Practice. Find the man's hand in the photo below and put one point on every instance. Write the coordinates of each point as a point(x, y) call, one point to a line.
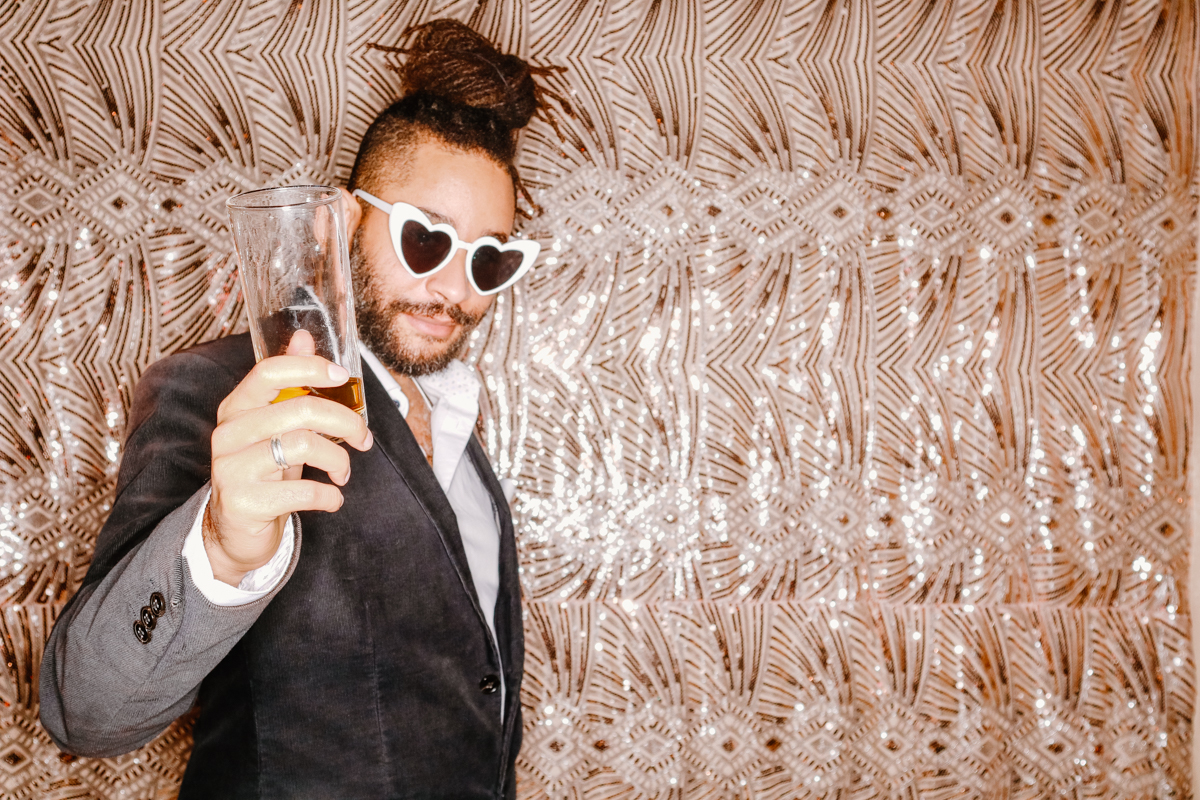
point(251, 496)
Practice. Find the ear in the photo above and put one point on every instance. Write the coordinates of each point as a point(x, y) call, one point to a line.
point(353, 214)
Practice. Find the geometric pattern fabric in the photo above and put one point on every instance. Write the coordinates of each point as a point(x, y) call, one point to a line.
point(847, 406)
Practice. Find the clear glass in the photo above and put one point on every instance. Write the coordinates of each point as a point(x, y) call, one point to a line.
point(294, 264)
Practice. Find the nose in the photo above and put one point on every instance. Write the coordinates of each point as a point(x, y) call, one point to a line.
point(450, 283)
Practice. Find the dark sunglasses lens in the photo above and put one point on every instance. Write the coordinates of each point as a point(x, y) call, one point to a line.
point(423, 249)
point(492, 268)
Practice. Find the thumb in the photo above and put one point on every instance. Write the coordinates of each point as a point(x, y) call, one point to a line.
point(302, 344)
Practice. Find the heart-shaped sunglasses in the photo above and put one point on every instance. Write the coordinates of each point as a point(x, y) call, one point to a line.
point(424, 247)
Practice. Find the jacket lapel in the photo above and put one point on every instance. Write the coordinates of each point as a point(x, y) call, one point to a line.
point(394, 437)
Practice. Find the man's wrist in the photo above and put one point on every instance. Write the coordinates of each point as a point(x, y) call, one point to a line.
point(223, 567)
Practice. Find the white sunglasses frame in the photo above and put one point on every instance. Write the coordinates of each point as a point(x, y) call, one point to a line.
point(400, 213)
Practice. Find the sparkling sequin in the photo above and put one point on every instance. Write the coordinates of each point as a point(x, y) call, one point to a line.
point(846, 408)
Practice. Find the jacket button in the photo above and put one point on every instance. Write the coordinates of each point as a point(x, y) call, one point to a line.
point(141, 632)
point(157, 604)
point(148, 618)
point(489, 684)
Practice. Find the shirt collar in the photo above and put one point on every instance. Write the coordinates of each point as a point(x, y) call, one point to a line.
point(389, 383)
point(453, 396)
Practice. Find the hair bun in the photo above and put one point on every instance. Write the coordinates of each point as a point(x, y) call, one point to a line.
point(449, 60)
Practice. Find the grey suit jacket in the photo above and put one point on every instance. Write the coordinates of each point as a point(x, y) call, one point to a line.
point(103, 693)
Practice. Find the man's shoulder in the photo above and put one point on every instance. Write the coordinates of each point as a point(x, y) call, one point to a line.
point(233, 355)
point(197, 377)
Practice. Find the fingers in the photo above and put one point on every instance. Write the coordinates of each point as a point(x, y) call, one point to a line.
point(251, 494)
point(247, 486)
point(271, 375)
point(257, 506)
point(256, 463)
point(302, 344)
point(298, 367)
point(301, 413)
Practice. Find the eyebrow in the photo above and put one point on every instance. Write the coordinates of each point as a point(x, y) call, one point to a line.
point(442, 219)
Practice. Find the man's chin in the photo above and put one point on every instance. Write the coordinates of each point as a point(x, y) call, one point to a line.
point(412, 353)
point(428, 356)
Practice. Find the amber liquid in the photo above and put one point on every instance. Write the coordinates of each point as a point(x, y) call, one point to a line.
point(349, 394)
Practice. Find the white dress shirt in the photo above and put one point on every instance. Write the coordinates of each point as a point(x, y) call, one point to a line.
point(453, 397)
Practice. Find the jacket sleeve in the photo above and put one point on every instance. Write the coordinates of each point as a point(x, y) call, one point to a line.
point(103, 690)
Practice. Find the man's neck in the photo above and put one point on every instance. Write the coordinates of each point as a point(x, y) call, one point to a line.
point(418, 417)
point(410, 388)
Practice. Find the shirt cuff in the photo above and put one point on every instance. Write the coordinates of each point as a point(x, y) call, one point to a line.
point(255, 584)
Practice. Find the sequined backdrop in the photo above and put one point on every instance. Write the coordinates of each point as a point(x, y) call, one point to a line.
point(848, 408)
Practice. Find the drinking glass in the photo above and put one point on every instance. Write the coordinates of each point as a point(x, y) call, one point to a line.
point(294, 265)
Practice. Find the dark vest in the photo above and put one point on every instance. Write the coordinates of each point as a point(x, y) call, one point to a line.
point(372, 673)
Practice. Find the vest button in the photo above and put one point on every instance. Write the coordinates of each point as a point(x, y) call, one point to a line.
point(489, 685)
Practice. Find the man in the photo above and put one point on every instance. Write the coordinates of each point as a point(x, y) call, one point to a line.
point(383, 656)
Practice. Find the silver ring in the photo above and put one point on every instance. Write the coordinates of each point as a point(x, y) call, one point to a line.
point(277, 452)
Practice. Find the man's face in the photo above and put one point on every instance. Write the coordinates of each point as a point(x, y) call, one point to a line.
point(416, 326)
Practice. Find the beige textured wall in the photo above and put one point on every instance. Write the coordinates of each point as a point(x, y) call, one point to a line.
point(1193, 478)
point(848, 410)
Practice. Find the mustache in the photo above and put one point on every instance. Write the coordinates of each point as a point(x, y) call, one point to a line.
point(455, 313)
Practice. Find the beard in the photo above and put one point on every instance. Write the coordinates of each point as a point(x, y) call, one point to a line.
point(376, 317)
